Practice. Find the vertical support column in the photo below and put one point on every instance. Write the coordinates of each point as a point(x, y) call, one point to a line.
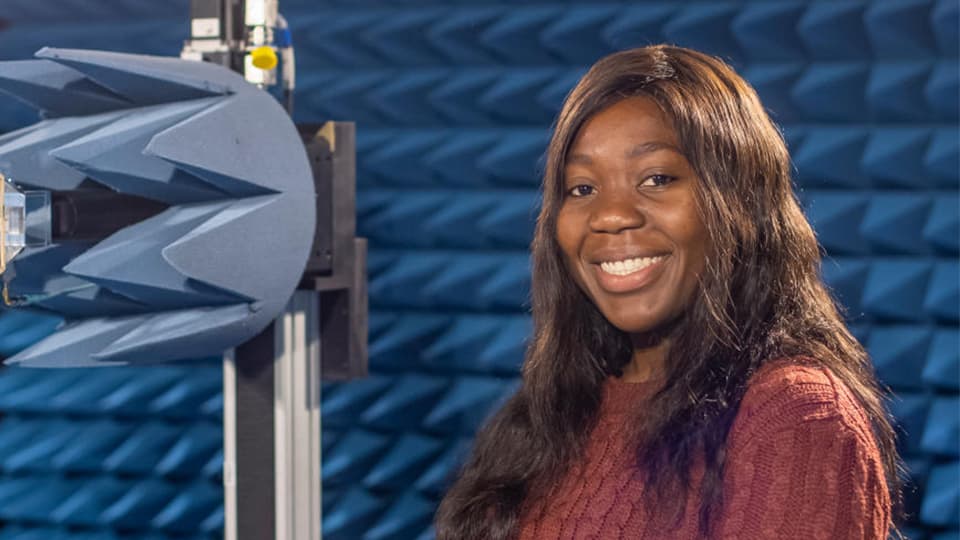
point(297, 419)
point(271, 429)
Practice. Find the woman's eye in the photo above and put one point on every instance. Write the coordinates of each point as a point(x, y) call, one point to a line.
point(657, 180)
point(581, 190)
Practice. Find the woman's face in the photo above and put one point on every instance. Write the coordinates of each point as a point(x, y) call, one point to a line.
point(628, 223)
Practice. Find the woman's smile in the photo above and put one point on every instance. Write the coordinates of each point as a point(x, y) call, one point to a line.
point(626, 275)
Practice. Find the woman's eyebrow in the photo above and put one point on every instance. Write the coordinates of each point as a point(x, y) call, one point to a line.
point(643, 149)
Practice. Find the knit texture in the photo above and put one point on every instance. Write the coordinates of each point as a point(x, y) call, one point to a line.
point(801, 463)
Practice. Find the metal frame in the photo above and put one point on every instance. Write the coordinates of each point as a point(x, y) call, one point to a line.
point(271, 408)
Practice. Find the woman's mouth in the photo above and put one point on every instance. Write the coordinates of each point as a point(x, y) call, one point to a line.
point(628, 274)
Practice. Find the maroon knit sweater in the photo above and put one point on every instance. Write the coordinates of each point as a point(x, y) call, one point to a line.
point(801, 464)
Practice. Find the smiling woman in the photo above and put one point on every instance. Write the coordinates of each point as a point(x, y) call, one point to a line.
point(689, 374)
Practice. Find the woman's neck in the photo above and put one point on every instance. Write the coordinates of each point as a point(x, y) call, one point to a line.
point(648, 362)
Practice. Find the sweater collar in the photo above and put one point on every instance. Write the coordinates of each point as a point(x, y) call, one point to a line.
point(620, 396)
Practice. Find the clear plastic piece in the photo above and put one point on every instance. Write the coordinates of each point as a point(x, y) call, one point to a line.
point(26, 220)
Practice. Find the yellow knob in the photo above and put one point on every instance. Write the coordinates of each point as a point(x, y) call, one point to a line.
point(264, 57)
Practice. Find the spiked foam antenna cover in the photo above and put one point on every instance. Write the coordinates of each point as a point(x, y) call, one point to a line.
point(218, 264)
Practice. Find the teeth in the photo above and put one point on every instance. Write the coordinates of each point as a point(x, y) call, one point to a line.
point(629, 266)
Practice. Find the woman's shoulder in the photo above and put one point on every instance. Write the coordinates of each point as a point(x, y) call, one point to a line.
point(797, 392)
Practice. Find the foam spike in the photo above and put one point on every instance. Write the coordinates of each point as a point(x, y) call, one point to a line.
point(84, 398)
point(25, 157)
point(113, 156)
point(410, 398)
point(33, 394)
point(147, 80)
point(406, 517)
point(333, 37)
point(459, 34)
point(942, 367)
point(81, 507)
point(639, 25)
point(467, 404)
point(37, 454)
point(910, 409)
point(134, 396)
point(830, 157)
point(454, 159)
point(706, 27)
point(187, 457)
point(896, 91)
point(184, 399)
point(37, 504)
point(508, 287)
point(941, 89)
point(835, 217)
point(552, 96)
point(942, 300)
point(459, 283)
point(457, 346)
point(768, 31)
point(942, 433)
point(260, 252)
point(76, 343)
point(895, 223)
point(900, 29)
point(404, 100)
point(943, 20)
point(846, 278)
point(897, 352)
point(503, 355)
point(511, 221)
point(515, 37)
point(832, 30)
point(331, 97)
point(138, 505)
point(400, 158)
point(514, 160)
point(353, 456)
point(437, 479)
point(402, 37)
point(515, 99)
point(774, 83)
point(55, 89)
point(941, 499)
point(577, 36)
point(895, 289)
point(942, 158)
point(455, 223)
point(352, 515)
point(188, 508)
point(942, 229)
point(86, 454)
point(340, 408)
point(138, 454)
point(403, 463)
point(242, 165)
point(132, 262)
point(456, 98)
point(406, 338)
point(894, 155)
point(843, 82)
point(20, 329)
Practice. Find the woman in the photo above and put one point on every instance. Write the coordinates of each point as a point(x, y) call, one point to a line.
point(689, 374)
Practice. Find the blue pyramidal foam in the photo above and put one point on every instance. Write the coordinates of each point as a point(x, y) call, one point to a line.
point(211, 270)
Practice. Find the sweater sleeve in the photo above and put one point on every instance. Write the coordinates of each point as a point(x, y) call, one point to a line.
point(801, 463)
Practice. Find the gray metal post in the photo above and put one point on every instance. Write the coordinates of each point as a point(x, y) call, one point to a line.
point(271, 429)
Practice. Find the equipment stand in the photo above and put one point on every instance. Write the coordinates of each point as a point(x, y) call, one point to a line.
point(271, 414)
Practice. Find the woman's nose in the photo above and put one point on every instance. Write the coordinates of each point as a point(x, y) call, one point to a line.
point(615, 212)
